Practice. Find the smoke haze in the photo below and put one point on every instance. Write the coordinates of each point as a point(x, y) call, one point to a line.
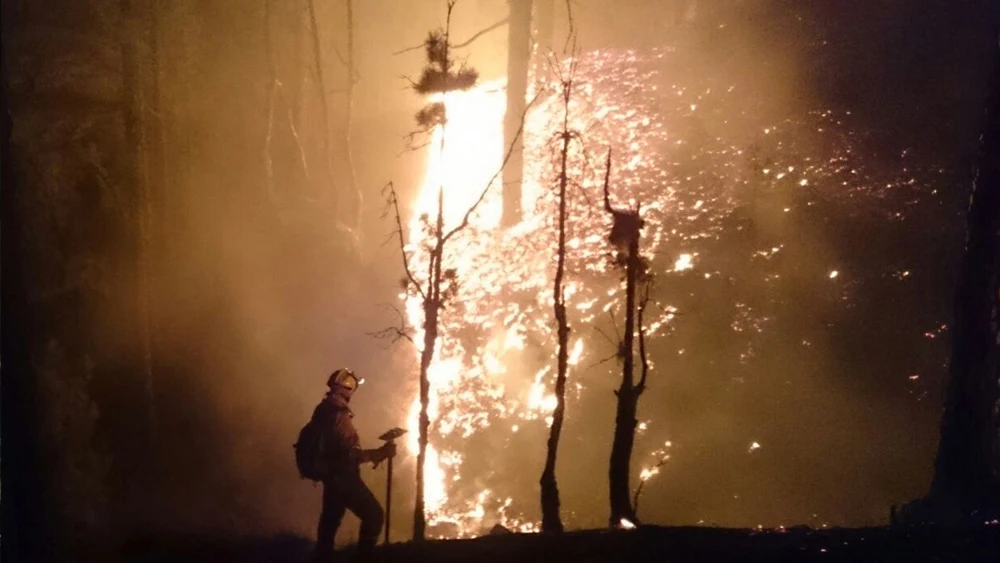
point(266, 277)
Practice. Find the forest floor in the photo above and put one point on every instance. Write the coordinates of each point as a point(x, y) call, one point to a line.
point(645, 544)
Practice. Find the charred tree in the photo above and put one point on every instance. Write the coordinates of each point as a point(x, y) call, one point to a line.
point(551, 520)
point(966, 480)
point(518, 62)
point(624, 239)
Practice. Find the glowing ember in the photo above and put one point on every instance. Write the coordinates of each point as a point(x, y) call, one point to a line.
point(684, 262)
point(493, 372)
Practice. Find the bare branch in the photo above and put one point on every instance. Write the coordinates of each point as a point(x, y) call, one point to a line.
point(389, 191)
point(506, 158)
point(606, 337)
point(571, 36)
point(413, 84)
point(500, 23)
point(395, 333)
point(603, 361)
point(638, 490)
point(408, 49)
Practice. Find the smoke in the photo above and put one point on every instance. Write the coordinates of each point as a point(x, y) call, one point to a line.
point(263, 305)
point(806, 357)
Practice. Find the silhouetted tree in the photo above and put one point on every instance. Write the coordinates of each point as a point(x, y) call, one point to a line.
point(551, 521)
point(626, 229)
point(967, 469)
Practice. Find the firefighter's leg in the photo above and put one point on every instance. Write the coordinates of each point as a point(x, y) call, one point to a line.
point(329, 520)
point(360, 500)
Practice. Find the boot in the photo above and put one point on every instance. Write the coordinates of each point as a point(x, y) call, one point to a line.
point(366, 551)
point(325, 555)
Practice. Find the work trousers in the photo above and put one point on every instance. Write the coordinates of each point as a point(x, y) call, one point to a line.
point(348, 492)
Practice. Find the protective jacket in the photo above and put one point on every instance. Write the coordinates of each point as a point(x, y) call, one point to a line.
point(340, 436)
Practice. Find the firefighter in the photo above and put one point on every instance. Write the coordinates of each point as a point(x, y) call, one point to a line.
point(343, 488)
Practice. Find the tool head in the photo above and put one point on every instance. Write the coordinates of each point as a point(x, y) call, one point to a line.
point(392, 434)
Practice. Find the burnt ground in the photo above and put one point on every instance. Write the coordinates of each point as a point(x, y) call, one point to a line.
point(648, 543)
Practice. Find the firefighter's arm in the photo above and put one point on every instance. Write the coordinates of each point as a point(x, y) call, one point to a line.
point(348, 437)
point(376, 455)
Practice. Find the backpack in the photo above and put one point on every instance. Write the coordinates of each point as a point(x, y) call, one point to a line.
point(311, 455)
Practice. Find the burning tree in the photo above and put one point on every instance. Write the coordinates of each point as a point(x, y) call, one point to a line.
point(624, 238)
point(441, 75)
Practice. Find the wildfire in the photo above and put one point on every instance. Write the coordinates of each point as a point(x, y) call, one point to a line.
point(488, 376)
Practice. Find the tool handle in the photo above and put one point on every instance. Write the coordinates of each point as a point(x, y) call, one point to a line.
point(388, 501)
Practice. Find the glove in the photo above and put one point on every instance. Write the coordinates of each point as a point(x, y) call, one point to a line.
point(387, 450)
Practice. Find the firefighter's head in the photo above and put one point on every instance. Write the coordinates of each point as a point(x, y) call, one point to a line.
point(343, 382)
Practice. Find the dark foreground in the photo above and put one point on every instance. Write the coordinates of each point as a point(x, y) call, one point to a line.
point(671, 545)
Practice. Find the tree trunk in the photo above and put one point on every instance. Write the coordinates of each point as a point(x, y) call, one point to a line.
point(628, 396)
point(518, 61)
point(426, 357)
point(551, 521)
point(967, 469)
point(432, 308)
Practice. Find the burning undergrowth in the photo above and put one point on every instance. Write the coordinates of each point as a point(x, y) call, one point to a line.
point(720, 192)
